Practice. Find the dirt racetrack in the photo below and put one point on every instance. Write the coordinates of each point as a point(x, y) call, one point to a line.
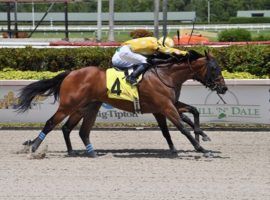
point(137, 165)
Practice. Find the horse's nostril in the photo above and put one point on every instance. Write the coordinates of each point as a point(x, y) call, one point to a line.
point(224, 89)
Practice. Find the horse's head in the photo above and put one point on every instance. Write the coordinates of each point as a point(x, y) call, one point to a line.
point(211, 75)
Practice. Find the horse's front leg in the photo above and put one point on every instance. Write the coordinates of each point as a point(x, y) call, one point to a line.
point(162, 123)
point(181, 107)
point(171, 112)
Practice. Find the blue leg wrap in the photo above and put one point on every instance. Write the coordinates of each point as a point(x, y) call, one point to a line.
point(89, 148)
point(42, 136)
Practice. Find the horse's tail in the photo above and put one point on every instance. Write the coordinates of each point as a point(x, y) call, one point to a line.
point(46, 87)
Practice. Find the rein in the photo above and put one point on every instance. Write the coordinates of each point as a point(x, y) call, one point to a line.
point(195, 77)
point(155, 69)
point(164, 83)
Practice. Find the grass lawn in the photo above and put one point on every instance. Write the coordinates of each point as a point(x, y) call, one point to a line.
point(121, 36)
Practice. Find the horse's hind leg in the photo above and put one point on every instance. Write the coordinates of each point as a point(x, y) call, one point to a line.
point(72, 121)
point(89, 119)
point(50, 124)
point(162, 123)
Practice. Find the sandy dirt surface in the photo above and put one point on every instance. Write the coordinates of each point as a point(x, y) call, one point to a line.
point(137, 165)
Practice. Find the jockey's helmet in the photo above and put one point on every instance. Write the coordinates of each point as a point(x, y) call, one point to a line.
point(168, 41)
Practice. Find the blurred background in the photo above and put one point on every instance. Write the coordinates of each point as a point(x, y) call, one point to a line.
point(116, 20)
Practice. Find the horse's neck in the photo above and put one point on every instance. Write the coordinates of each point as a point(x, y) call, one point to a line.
point(180, 73)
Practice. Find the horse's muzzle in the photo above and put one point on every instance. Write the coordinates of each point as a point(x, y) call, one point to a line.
point(221, 89)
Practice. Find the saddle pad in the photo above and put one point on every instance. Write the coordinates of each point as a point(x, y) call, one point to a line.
point(118, 88)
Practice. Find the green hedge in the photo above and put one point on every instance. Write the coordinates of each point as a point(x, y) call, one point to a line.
point(234, 35)
point(261, 37)
point(249, 20)
point(10, 74)
point(54, 59)
point(254, 59)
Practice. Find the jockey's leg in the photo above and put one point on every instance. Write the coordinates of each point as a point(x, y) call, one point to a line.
point(128, 56)
point(132, 78)
point(124, 57)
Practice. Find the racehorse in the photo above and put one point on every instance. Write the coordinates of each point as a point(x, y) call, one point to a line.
point(88, 122)
point(85, 90)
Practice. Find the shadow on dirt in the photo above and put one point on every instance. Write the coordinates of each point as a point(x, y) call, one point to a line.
point(149, 153)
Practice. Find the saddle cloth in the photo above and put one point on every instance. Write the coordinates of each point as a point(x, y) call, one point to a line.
point(117, 86)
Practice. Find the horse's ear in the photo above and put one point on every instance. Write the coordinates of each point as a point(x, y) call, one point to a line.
point(206, 53)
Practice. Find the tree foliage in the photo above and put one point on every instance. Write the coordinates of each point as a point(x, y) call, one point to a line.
point(221, 10)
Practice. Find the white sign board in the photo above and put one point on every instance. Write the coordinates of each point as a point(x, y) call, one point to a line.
point(247, 101)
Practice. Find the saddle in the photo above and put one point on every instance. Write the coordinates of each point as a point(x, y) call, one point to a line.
point(118, 88)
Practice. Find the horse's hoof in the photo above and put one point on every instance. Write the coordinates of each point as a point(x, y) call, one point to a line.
point(91, 154)
point(206, 138)
point(200, 149)
point(33, 149)
point(208, 154)
point(27, 143)
point(72, 153)
point(173, 151)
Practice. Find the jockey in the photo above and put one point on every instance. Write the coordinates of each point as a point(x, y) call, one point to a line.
point(134, 52)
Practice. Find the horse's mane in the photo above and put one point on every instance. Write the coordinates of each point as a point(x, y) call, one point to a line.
point(194, 55)
point(191, 56)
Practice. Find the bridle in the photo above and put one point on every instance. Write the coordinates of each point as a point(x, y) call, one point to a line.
point(210, 78)
point(208, 81)
point(164, 83)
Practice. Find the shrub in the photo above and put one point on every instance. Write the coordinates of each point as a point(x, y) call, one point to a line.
point(54, 59)
point(9, 74)
point(239, 20)
point(254, 59)
point(140, 33)
point(261, 38)
point(234, 35)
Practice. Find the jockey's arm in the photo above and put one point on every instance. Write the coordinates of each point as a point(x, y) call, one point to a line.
point(172, 51)
point(157, 61)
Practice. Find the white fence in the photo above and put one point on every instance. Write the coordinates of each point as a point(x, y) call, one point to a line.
point(247, 101)
point(81, 28)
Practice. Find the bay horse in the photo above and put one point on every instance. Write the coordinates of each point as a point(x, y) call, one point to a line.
point(85, 90)
point(89, 114)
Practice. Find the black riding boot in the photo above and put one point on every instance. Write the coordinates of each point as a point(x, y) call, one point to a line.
point(132, 78)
